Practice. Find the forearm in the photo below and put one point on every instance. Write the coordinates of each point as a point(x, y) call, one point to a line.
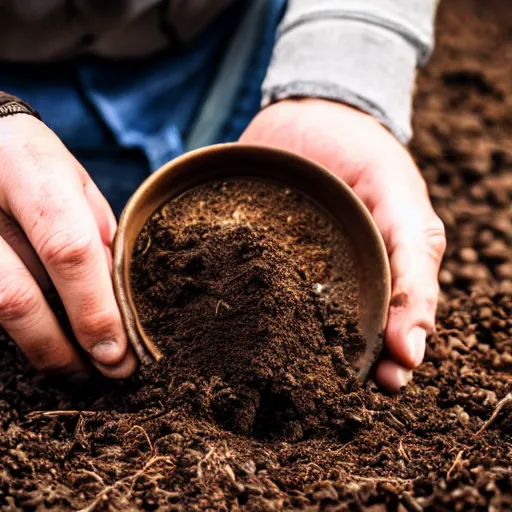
point(361, 52)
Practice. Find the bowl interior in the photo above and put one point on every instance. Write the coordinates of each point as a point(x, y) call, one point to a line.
point(230, 161)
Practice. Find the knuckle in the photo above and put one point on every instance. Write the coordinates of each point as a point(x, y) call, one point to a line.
point(430, 297)
point(66, 251)
point(416, 294)
point(426, 304)
point(436, 238)
point(17, 298)
point(96, 326)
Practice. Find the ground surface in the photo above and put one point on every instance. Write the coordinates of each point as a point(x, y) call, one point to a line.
point(431, 448)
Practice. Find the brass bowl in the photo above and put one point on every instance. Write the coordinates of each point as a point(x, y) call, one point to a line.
point(229, 161)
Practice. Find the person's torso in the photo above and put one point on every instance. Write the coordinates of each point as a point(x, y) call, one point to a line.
point(34, 30)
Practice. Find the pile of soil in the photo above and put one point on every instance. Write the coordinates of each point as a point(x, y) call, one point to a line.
point(250, 293)
point(444, 443)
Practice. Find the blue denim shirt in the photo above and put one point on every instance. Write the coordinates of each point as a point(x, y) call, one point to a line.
point(124, 119)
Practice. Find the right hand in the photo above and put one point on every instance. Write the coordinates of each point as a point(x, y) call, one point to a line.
point(56, 225)
point(366, 156)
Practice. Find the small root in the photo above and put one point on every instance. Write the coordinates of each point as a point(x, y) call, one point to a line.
point(200, 463)
point(146, 249)
point(138, 427)
point(502, 403)
point(376, 480)
point(395, 419)
point(92, 474)
point(340, 450)
point(130, 479)
point(456, 464)
point(222, 303)
point(402, 452)
point(35, 415)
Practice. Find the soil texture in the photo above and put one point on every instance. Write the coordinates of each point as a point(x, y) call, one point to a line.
point(443, 444)
point(250, 293)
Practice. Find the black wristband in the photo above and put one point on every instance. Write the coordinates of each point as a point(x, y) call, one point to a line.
point(11, 105)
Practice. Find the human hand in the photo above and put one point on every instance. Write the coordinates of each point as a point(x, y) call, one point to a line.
point(360, 151)
point(55, 224)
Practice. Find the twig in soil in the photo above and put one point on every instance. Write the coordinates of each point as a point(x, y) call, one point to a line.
point(93, 475)
point(35, 415)
point(138, 427)
point(200, 463)
point(502, 403)
point(146, 249)
point(80, 434)
point(456, 464)
point(158, 414)
point(395, 419)
point(380, 479)
point(340, 450)
point(127, 479)
point(402, 452)
point(222, 303)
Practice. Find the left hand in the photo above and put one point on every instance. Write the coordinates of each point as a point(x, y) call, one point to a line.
point(364, 154)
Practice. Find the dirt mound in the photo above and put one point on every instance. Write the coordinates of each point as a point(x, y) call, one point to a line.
point(241, 285)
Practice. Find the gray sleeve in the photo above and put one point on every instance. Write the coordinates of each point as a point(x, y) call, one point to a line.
point(361, 52)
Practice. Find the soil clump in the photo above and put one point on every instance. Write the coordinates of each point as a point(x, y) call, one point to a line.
point(250, 292)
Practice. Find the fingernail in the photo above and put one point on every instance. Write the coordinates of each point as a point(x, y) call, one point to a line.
point(106, 352)
point(403, 377)
point(416, 345)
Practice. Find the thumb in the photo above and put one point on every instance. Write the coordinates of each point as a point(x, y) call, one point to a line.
point(415, 262)
point(415, 239)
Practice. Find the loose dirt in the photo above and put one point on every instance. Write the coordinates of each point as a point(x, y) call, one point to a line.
point(250, 292)
point(445, 443)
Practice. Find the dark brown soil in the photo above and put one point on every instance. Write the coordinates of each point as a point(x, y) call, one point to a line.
point(124, 447)
point(250, 293)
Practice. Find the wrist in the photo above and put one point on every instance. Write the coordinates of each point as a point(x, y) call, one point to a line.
point(331, 113)
point(11, 105)
point(366, 65)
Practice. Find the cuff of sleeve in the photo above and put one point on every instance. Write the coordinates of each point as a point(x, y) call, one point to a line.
point(367, 66)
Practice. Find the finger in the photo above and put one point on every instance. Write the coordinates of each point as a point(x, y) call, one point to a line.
point(416, 249)
point(65, 235)
point(103, 214)
point(415, 239)
point(28, 319)
point(105, 218)
point(391, 376)
point(14, 236)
